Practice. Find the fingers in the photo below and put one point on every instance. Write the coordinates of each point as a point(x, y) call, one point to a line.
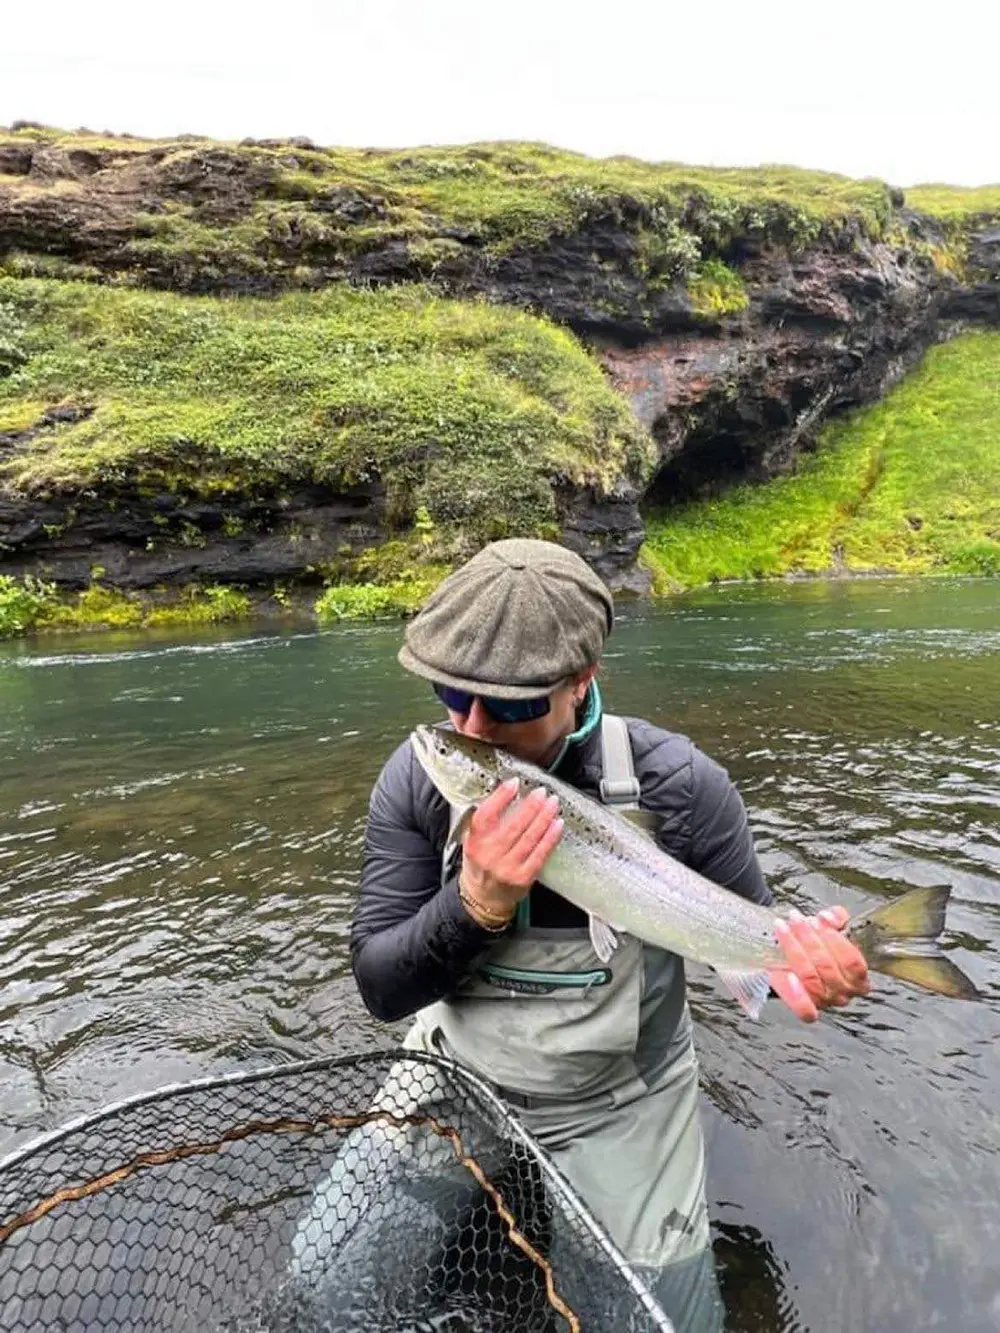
point(518, 839)
point(492, 809)
point(837, 917)
point(840, 964)
point(516, 820)
point(791, 990)
point(820, 974)
point(829, 969)
point(512, 842)
point(536, 860)
point(849, 961)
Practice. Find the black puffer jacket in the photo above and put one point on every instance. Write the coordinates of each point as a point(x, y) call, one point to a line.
point(412, 940)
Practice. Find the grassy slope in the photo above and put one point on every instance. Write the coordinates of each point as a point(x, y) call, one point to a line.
point(911, 485)
point(956, 205)
point(465, 410)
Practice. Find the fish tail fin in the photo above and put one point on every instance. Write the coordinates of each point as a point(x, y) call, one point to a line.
point(935, 973)
point(900, 938)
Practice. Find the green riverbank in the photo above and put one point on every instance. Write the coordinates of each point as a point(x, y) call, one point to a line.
point(908, 486)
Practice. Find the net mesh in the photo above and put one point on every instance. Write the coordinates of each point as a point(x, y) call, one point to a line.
point(389, 1191)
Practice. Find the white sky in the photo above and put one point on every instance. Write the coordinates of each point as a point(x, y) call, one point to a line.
point(906, 91)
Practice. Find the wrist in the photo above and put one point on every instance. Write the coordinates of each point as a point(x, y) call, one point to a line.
point(490, 915)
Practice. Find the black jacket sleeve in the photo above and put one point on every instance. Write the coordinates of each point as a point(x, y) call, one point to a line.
point(412, 941)
point(721, 846)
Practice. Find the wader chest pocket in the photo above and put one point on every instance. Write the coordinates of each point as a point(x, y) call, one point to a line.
point(532, 981)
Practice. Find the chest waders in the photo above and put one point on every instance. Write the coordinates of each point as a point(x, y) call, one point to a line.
point(598, 1060)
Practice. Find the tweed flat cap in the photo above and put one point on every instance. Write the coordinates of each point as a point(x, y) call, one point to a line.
point(514, 622)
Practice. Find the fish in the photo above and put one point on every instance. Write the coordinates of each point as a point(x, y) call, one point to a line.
point(608, 865)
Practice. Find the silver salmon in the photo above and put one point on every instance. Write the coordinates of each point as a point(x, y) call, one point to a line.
point(608, 865)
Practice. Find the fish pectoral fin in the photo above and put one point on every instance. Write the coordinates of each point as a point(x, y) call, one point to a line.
point(460, 827)
point(643, 820)
point(603, 938)
point(750, 988)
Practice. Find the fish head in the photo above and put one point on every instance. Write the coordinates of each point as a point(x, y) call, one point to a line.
point(464, 771)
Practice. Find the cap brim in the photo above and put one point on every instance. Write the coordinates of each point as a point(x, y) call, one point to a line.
point(495, 689)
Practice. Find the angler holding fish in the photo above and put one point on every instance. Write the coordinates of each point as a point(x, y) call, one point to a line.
point(512, 903)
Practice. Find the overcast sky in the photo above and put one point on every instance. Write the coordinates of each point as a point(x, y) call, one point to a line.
point(897, 90)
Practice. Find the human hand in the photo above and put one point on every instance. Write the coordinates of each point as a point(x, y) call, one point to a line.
point(504, 848)
point(824, 967)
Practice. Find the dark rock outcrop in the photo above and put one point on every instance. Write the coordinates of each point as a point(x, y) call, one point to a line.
point(167, 540)
point(824, 332)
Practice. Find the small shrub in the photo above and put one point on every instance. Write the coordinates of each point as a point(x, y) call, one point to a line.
point(213, 604)
point(980, 557)
point(23, 604)
point(716, 290)
point(98, 607)
point(372, 601)
point(13, 352)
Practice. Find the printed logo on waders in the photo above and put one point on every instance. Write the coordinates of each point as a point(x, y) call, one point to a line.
point(527, 981)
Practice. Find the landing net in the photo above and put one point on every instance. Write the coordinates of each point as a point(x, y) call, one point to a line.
point(383, 1193)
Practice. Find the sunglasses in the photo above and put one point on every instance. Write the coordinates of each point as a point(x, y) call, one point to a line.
point(500, 710)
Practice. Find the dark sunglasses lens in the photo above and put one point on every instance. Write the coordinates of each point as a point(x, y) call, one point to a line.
point(516, 710)
point(500, 710)
point(458, 701)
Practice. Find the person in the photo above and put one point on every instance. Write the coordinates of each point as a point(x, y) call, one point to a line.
point(499, 972)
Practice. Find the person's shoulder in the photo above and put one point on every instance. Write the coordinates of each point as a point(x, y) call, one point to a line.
point(679, 782)
point(656, 747)
point(401, 764)
point(653, 743)
point(671, 761)
point(404, 785)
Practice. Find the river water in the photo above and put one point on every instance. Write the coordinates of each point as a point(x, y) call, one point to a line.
point(180, 829)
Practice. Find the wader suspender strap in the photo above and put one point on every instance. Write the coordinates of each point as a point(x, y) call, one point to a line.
point(619, 784)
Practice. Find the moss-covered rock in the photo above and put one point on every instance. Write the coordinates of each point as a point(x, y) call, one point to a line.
point(201, 216)
point(472, 415)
